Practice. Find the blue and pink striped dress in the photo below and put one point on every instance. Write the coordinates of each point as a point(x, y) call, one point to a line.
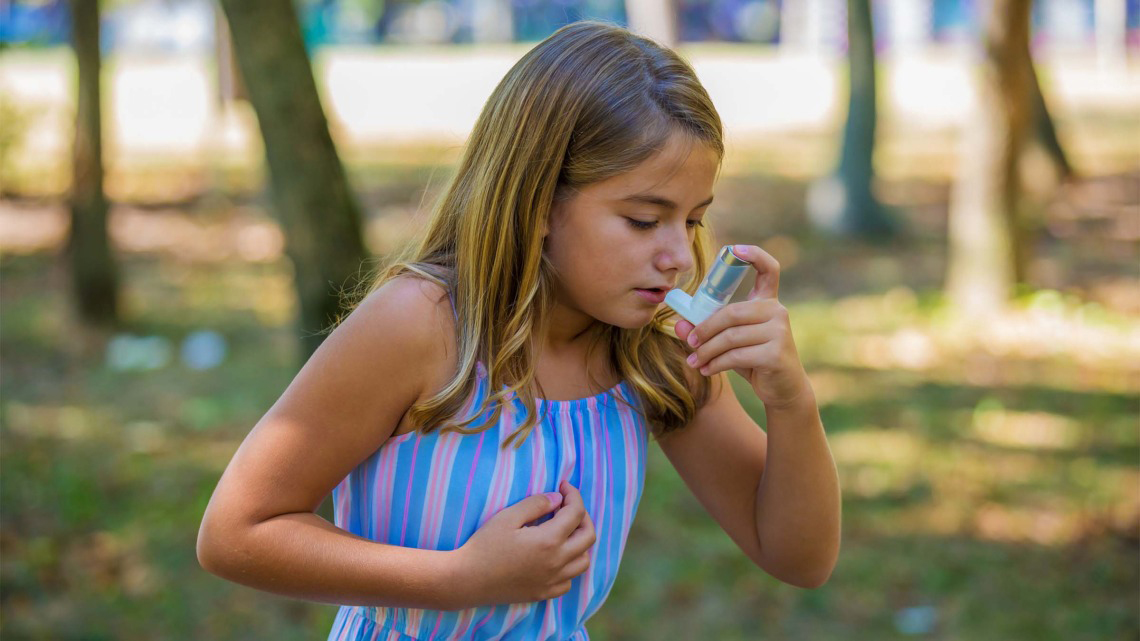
point(433, 491)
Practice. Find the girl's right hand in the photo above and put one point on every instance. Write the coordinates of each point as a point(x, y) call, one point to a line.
point(507, 561)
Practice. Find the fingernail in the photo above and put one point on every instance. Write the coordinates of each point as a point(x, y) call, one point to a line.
point(693, 340)
point(692, 359)
point(555, 497)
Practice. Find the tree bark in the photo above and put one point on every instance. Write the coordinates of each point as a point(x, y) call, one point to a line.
point(231, 88)
point(1044, 132)
point(844, 202)
point(989, 238)
point(94, 275)
point(862, 214)
point(314, 203)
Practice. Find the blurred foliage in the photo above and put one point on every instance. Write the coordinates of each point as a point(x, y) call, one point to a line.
point(13, 128)
point(990, 480)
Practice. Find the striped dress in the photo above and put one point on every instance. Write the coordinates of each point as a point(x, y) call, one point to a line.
point(433, 491)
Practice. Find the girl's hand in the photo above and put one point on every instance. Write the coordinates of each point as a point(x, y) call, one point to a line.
point(508, 561)
point(753, 337)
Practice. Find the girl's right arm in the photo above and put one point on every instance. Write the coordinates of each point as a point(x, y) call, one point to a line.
point(261, 529)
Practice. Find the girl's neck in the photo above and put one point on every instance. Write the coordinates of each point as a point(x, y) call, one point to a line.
point(567, 331)
point(565, 344)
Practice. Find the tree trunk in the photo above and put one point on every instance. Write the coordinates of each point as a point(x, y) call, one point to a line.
point(1044, 133)
point(844, 203)
point(989, 242)
point(231, 88)
point(94, 275)
point(862, 213)
point(316, 208)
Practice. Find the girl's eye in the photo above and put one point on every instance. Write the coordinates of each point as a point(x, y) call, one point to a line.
point(639, 224)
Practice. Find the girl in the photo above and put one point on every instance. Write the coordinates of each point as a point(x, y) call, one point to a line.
point(482, 416)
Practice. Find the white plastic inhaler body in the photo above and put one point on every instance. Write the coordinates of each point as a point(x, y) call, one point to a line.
point(715, 291)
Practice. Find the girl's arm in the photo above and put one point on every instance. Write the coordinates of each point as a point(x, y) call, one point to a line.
point(303, 556)
point(798, 501)
point(776, 494)
point(260, 528)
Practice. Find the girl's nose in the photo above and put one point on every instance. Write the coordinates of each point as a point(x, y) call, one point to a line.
point(677, 255)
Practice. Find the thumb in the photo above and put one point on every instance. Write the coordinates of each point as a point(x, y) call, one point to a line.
point(683, 328)
point(532, 507)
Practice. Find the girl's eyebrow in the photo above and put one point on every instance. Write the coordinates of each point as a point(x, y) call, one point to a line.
point(660, 201)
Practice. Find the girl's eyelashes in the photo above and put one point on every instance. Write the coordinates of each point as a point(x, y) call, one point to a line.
point(639, 224)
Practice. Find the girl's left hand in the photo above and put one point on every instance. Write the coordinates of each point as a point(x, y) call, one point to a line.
point(753, 337)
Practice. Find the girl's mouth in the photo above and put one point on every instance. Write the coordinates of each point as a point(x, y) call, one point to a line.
point(655, 295)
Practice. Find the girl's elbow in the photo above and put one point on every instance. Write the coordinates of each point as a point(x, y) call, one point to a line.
point(808, 580)
point(812, 581)
point(807, 575)
point(211, 550)
point(206, 550)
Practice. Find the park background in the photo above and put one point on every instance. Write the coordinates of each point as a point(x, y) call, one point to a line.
point(986, 423)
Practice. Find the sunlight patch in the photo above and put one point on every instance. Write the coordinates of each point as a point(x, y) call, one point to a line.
point(1033, 430)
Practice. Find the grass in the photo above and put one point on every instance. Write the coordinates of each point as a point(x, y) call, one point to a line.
point(991, 487)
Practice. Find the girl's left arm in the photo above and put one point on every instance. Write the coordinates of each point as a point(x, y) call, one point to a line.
point(776, 494)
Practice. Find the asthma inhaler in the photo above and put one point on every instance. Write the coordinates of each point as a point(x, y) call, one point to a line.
point(716, 290)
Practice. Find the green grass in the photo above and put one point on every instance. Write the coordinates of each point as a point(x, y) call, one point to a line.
point(1009, 508)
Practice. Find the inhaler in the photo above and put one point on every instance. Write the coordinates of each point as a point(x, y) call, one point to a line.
point(716, 290)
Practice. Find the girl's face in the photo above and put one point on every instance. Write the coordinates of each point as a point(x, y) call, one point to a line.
point(633, 231)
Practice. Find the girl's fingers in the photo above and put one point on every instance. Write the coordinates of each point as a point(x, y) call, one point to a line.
point(750, 312)
point(682, 328)
point(742, 357)
point(581, 541)
point(727, 340)
point(767, 270)
point(570, 514)
point(579, 565)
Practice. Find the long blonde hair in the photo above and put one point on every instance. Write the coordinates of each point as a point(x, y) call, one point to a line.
point(590, 102)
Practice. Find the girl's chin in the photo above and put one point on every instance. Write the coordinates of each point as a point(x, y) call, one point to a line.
point(643, 317)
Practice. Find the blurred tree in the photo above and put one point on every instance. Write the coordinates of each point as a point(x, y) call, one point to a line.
point(989, 233)
point(654, 19)
point(844, 203)
point(94, 274)
point(315, 205)
point(231, 88)
point(1044, 132)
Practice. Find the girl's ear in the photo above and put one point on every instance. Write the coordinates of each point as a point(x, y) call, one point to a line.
point(554, 209)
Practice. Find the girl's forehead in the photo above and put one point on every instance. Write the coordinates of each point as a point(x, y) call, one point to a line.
point(682, 166)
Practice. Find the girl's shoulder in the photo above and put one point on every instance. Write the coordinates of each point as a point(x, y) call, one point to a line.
point(416, 293)
point(420, 308)
point(418, 305)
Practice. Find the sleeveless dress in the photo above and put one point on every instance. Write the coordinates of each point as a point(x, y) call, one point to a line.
point(433, 491)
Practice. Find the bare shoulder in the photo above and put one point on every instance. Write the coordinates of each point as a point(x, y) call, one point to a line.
point(343, 404)
point(408, 307)
point(417, 314)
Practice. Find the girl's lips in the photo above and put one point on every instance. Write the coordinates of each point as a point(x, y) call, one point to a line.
point(653, 296)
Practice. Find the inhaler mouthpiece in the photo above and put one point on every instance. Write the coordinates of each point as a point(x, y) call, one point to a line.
point(716, 290)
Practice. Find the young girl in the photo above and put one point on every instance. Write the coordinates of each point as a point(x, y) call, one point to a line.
point(482, 416)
